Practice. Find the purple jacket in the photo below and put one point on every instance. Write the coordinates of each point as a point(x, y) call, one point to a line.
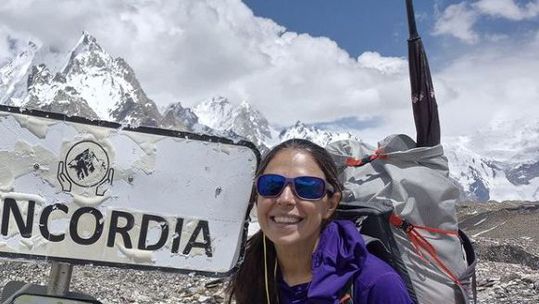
point(340, 257)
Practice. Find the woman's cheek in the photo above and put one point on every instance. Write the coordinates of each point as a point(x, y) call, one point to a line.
point(262, 208)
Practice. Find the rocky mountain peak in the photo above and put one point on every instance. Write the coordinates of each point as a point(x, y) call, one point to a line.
point(86, 43)
point(221, 101)
point(216, 113)
point(244, 120)
point(33, 45)
point(245, 105)
point(249, 122)
point(87, 57)
point(13, 75)
point(248, 112)
point(319, 136)
point(39, 75)
point(91, 84)
point(499, 162)
point(104, 86)
point(299, 125)
point(180, 118)
point(23, 58)
point(216, 104)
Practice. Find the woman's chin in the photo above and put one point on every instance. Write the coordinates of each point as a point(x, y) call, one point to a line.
point(287, 236)
point(285, 240)
point(282, 234)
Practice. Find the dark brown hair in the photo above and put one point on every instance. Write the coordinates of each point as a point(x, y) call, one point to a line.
point(247, 285)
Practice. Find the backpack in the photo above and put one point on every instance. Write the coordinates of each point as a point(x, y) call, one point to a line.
point(403, 202)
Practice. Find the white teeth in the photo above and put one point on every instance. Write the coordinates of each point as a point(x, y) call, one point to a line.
point(286, 219)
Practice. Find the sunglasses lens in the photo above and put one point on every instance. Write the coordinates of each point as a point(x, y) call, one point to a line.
point(309, 187)
point(270, 185)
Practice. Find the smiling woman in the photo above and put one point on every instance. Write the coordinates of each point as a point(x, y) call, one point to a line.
point(301, 254)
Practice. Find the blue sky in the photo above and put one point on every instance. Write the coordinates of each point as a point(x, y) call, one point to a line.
point(309, 60)
point(381, 26)
point(356, 26)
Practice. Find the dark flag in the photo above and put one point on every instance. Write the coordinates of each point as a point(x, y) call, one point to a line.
point(424, 104)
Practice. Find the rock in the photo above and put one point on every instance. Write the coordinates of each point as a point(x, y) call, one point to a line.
point(115, 285)
point(509, 277)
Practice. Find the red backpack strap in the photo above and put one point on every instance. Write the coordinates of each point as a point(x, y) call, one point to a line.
point(420, 244)
point(354, 162)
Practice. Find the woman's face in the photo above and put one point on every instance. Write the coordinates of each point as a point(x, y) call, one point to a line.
point(286, 219)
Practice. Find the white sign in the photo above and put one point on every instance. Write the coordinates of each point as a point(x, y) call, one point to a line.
point(93, 192)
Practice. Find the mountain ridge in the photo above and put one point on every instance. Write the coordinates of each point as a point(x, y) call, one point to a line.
point(490, 164)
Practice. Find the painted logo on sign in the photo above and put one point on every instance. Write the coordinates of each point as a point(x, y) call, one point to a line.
point(86, 165)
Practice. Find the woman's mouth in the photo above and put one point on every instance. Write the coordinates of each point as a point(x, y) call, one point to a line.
point(286, 219)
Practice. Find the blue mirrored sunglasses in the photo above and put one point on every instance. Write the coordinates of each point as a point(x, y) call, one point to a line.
point(305, 187)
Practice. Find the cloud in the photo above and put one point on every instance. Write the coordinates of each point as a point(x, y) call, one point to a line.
point(5, 45)
point(457, 20)
point(508, 9)
point(495, 80)
point(388, 65)
point(191, 50)
point(489, 84)
point(194, 49)
point(13, 42)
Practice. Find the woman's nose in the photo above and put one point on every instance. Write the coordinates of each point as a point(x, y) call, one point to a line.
point(287, 197)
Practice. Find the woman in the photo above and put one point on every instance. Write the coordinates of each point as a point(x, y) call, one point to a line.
point(301, 255)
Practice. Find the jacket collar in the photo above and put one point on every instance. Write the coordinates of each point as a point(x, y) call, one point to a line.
point(339, 256)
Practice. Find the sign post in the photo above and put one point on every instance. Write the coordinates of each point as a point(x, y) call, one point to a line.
point(75, 191)
point(59, 279)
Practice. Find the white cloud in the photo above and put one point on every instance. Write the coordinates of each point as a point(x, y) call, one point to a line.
point(458, 20)
point(194, 49)
point(12, 42)
point(498, 83)
point(5, 47)
point(508, 9)
point(388, 65)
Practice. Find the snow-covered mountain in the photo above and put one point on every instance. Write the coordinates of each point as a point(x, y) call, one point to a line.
point(489, 165)
point(500, 162)
point(92, 84)
point(220, 114)
point(472, 171)
point(319, 136)
point(515, 140)
point(178, 117)
point(510, 171)
point(13, 76)
point(216, 113)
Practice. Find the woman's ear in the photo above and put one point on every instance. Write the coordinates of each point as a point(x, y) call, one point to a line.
point(333, 202)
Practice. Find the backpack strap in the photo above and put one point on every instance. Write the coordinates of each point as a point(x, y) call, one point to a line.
point(354, 162)
point(420, 244)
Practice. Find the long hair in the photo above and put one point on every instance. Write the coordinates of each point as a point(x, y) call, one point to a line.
point(248, 284)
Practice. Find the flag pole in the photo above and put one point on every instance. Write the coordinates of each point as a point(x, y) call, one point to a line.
point(424, 104)
point(412, 28)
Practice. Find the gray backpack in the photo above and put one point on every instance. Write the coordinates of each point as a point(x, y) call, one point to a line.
point(403, 201)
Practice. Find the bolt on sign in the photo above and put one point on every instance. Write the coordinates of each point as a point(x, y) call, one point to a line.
point(95, 192)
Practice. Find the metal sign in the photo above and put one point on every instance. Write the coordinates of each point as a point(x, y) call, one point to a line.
point(85, 191)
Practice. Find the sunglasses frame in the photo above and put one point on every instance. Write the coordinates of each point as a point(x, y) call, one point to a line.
point(328, 188)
